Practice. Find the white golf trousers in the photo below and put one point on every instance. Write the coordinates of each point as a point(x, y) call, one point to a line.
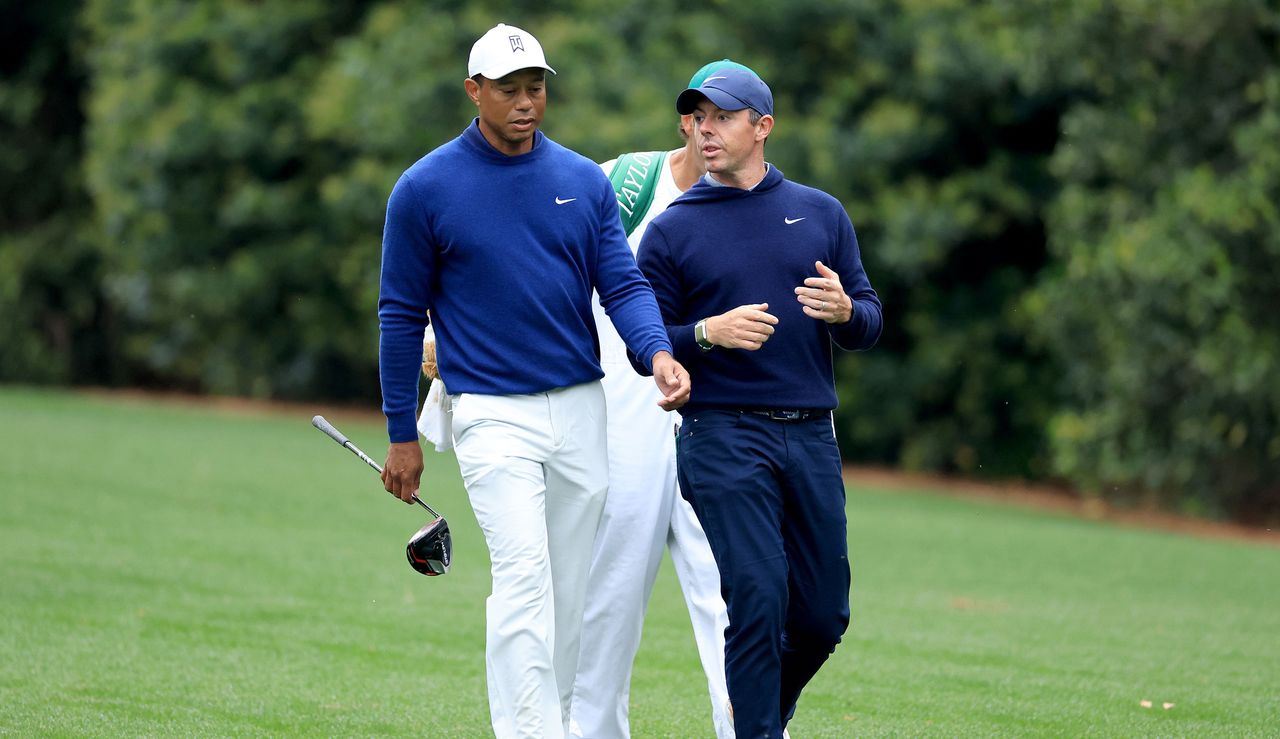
point(643, 516)
point(535, 469)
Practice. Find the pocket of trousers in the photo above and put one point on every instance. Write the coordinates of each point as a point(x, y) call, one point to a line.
point(461, 420)
point(693, 434)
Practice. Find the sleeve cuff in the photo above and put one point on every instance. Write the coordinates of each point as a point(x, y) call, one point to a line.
point(686, 346)
point(402, 427)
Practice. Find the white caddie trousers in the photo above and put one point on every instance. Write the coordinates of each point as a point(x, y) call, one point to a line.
point(643, 517)
point(535, 469)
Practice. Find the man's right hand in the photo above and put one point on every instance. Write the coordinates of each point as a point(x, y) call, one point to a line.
point(745, 327)
point(402, 472)
point(672, 379)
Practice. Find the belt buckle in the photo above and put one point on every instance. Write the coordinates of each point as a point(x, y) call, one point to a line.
point(787, 415)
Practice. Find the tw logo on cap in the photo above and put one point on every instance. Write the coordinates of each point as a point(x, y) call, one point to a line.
point(517, 43)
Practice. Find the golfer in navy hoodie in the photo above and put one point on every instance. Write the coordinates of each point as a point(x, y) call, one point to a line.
point(757, 277)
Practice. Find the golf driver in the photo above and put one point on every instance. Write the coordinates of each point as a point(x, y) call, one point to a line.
point(431, 549)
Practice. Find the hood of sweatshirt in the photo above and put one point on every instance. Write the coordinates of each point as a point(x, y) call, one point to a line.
point(701, 192)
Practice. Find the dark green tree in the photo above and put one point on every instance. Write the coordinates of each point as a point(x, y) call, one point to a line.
point(222, 266)
point(1068, 208)
point(924, 120)
point(1160, 306)
point(54, 325)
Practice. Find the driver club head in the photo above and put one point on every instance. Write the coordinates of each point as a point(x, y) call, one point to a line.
point(431, 549)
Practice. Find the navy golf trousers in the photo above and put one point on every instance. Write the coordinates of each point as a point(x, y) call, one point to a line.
point(771, 500)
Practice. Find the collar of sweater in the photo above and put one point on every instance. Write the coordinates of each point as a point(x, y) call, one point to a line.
point(701, 192)
point(474, 140)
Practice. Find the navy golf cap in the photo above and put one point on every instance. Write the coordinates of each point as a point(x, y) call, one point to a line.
point(729, 88)
point(711, 68)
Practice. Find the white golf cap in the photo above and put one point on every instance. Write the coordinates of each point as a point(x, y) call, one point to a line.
point(502, 50)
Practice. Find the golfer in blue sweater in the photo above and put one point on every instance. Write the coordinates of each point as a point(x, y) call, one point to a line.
point(502, 235)
point(757, 277)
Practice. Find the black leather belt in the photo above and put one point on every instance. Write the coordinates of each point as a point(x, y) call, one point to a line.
point(796, 415)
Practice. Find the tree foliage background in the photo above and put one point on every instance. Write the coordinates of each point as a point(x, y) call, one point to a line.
point(1069, 208)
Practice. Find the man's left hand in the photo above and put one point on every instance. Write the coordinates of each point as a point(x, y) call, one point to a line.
point(824, 298)
point(672, 380)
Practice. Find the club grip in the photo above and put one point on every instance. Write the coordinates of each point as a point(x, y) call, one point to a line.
point(320, 423)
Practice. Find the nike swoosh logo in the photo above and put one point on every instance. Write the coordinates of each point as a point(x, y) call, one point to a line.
point(713, 78)
point(562, 202)
point(790, 221)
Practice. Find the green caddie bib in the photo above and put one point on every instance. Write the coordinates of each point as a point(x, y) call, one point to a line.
point(635, 178)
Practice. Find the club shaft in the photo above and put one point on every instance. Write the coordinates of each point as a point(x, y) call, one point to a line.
point(356, 451)
point(333, 433)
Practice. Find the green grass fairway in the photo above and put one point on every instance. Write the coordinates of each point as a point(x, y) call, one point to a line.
point(180, 571)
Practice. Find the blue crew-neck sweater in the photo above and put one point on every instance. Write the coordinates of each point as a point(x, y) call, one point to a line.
point(716, 248)
point(504, 252)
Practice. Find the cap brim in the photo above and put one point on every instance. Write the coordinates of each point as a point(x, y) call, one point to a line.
point(497, 73)
point(688, 100)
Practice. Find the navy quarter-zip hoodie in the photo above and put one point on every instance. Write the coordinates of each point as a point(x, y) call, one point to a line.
point(716, 248)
